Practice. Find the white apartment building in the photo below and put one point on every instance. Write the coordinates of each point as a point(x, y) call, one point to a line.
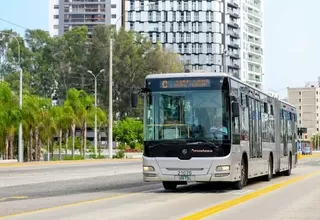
point(66, 14)
point(252, 42)
point(307, 101)
point(210, 35)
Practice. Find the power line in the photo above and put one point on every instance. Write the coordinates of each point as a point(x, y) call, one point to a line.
point(17, 25)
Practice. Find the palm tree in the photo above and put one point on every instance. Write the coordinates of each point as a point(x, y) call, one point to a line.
point(9, 118)
point(47, 128)
point(82, 104)
point(69, 119)
point(64, 118)
point(30, 118)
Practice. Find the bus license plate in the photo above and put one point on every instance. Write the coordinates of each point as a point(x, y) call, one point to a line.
point(184, 175)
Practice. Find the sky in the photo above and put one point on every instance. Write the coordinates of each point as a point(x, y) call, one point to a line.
point(290, 39)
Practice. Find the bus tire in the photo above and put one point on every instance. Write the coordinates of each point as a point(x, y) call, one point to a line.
point(167, 185)
point(268, 177)
point(288, 171)
point(244, 177)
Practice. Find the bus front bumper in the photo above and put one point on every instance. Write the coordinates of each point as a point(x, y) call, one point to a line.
point(194, 170)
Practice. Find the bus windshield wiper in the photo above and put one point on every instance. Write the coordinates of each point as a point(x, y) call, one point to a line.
point(201, 140)
point(174, 141)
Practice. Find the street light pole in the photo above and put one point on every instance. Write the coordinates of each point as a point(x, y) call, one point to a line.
point(110, 134)
point(95, 106)
point(20, 144)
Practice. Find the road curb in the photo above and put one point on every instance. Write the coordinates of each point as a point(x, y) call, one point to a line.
point(300, 156)
point(39, 163)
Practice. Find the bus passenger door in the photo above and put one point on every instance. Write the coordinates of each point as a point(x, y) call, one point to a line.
point(285, 133)
point(258, 129)
point(253, 127)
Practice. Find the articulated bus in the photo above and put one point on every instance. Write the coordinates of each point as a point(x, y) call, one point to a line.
point(211, 127)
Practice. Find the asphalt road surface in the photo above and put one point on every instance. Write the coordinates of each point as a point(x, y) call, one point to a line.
point(115, 190)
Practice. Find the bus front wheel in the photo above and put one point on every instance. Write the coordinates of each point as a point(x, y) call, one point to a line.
point(244, 177)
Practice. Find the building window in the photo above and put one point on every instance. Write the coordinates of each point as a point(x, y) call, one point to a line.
point(56, 6)
point(299, 92)
point(56, 26)
point(114, 16)
point(113, 6)
point(56, 16)
point(299, 100)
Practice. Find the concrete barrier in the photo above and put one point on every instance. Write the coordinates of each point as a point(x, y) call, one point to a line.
point(8, 161)
point(133, 155)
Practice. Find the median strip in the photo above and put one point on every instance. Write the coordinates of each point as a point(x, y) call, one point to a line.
point(228, 204)
point(37, 163)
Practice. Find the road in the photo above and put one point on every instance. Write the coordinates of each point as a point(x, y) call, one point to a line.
point(115, 190)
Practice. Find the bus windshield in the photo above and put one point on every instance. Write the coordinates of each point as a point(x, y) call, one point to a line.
point(187, 114)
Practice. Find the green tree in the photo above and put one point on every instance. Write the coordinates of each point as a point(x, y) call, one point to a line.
point(129, 131)
point(134, 57)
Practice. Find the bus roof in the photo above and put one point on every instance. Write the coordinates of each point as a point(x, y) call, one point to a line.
point(209, 74)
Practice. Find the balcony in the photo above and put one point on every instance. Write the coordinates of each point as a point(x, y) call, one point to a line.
point(256, 51)
point(255, 14)
point(233, 24)
point(233, 34)
point(234, 65)
point(234, 45)
point(255, 5)
point(255, 33)
point(84, 1)
point(234, 13)
point(254, 79)
point(256, 42)
point(234, 55)
point(87, 10)
point(255, 70)
point(255, 23)
point(233, 4)
point(259, 61)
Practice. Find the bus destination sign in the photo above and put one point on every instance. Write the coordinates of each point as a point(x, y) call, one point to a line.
point(184, 83)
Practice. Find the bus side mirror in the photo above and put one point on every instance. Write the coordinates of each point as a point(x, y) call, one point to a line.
point(235, 109)
point(134, 99)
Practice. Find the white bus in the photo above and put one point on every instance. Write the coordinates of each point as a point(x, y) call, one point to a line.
point(211, 127)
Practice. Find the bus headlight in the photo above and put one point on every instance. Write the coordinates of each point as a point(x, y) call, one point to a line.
point(223, 168)
point(148, 168)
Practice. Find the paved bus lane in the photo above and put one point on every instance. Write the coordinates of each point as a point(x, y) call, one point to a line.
point(300, 200)
point(152, 202)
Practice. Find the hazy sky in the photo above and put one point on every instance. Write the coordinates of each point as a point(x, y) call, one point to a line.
point(291, 36)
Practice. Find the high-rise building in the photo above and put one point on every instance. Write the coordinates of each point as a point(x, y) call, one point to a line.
point(66, 14)
point(252, 42)
point(211, 35)
point(307, 101)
